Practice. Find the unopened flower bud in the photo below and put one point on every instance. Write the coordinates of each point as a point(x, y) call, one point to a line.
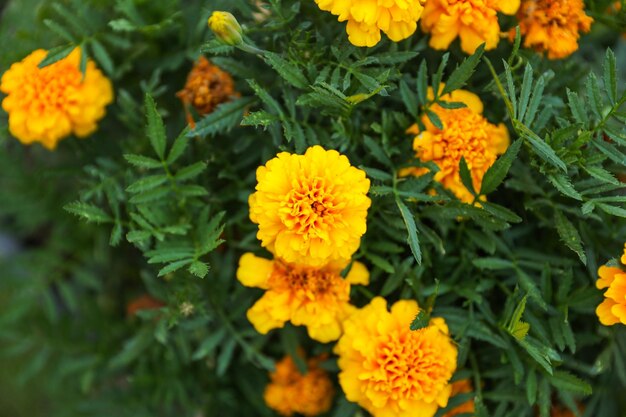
point(225, 26)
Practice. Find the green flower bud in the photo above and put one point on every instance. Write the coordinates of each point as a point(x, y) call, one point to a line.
point(225, 26)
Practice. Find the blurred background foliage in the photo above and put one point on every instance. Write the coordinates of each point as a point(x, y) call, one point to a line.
point(136, 311)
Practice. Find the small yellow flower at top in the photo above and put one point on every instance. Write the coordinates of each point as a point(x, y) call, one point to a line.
point(318, 298)
point(48, 104)
point(366, 19)
point(226, 27)
point(466, 133)
point(390, 370)
point(553, 26)
point(613, 309)
point(473, 21)
point(311, 209)
point(290, 392)
point(463, 386)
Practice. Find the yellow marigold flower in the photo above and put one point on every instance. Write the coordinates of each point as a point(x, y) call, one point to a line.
point(318, 298)
point(613, 309)
point(466, 133)
point(553, 26)
point(473, 21)
point(311, 209)
point(48, 104)
point(290, 392)
point(226, 27)
point(366, 19)
point(461, 387)
point(390, 370)
point(206, 88)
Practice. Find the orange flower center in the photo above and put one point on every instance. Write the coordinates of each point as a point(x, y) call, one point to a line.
point(310, 207)
point(312, 283)
point(408, 366)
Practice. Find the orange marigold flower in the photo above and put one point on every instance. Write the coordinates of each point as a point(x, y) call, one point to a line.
point(390, 370)
point(311, 209)
point(613, 309)
point(366, 19)
point(206, 88)
point(290, 392)
point(463, 386)
point(318, 298)
point(473, 21)
point(48, 104)
point(553, 26)
point(466, 133)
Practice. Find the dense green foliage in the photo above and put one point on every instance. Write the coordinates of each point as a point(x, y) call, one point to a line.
point(146, 206)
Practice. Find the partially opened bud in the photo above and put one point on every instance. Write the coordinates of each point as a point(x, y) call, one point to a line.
point(225, 26)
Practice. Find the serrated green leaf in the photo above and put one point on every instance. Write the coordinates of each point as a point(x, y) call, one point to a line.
point(500, 212)
point(179, 146)
point(151, 195)
point(567, 382)
point(408, 98)
point(569, 235)
point(190, 171)
point(222, 119)
point(610, 77)
point(466, 176)
point(60, 30)
point(493, 263)
point(563, 184)
point(88, 212)
point(612, 210)
point(56, 54)
point(463, 72)
point(141, 161)
point(286, 69)
point(422, 83)
point(498, 171)
point(524, 98)
point(420, 321)
point(146, 183)
point(175, 266)
point(155, 128)
point(137, 236)
point(543, 150)
point(199, 269)
point(601, 174)
point(434, 119)
point(412, 238)
point(102, 56)
point(540, 353)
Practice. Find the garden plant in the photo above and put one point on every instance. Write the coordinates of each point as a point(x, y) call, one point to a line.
point(340, 208)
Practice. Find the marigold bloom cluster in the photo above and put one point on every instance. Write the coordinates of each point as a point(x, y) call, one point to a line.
point(206, 88)
point(390, 370)
point(318, 298)
point(48, 104)
point(366, 19)
point(613, 309)
point(463, 386)
point(473, 21)
point(311, 209)
point(466, 133)
point(553, 26)
point(290, 392)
